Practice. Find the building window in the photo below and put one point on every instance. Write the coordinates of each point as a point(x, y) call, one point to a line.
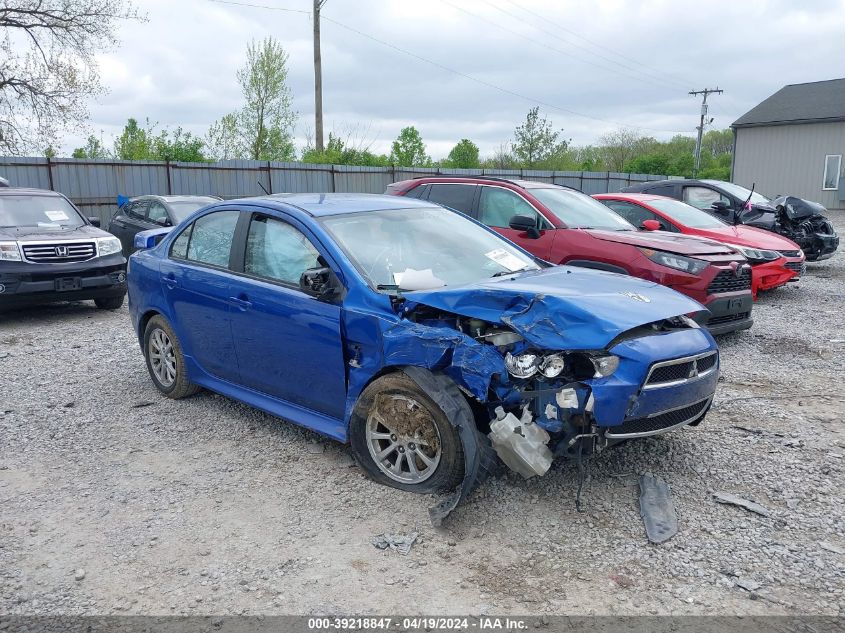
point(832, 167)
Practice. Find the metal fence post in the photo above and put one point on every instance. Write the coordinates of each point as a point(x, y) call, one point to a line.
point(169, 183)
point(50, 173)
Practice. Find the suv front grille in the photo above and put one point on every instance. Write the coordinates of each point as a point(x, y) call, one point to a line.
point(59, 252)
point(727, 281)
point(727, 318)
point(681, 370)
point(660, 422)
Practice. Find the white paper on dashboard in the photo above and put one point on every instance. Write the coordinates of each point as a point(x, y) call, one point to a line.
point(56, 216)
point(508, 260)
point(412, 279)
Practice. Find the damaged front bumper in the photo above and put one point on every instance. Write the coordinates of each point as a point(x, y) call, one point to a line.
point(643, 397)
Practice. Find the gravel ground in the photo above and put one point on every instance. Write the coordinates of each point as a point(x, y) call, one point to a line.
point(116, 500)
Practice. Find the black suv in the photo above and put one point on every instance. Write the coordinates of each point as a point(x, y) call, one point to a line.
point(49, 251)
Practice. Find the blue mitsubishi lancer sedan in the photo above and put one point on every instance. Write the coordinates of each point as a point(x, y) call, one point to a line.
point(434, 346)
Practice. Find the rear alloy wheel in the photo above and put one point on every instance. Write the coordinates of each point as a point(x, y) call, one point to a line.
point(403, 439)
point(165, 360)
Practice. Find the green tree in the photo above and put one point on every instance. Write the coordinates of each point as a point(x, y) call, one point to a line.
point(409, 150)
point(535, 142)
point(463, 156)
point(339, 152)
point(135, 142)
point(620, 147)
point(93, 148)
point(263, 128)
point(177, 146)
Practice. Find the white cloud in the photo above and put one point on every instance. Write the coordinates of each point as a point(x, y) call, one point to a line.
point(629, 63)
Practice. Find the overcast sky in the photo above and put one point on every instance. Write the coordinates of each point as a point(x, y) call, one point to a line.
point(591, 66)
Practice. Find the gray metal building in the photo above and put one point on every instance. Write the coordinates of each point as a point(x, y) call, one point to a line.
point(793, 143)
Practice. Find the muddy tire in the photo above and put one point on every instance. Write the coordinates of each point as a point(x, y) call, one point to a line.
point(165, 360)
point(403, 439)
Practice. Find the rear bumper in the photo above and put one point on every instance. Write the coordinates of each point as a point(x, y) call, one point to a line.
point(28, 284)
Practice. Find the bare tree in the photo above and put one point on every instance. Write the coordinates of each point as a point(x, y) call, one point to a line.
point(47, 65)
point(618, 148)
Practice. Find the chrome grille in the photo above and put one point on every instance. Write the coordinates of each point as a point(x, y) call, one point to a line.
point(727, 281)
point(681, 370)
point(59, 252)
point(790, 253)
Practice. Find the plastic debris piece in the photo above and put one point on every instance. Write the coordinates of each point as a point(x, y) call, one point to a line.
point(657, 509)
point(731, 499)
point(520, 444)
point(397, 542)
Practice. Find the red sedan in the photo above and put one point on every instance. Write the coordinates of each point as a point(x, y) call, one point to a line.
point(775, 260)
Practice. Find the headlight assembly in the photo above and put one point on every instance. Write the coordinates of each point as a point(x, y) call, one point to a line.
point(756, 254)
point(522, 365)
point(678, 262)
point(9, 252)
point(552, 365)
point(605, 365)
point(108, 246)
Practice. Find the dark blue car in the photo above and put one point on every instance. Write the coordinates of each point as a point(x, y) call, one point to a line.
point(431, 344)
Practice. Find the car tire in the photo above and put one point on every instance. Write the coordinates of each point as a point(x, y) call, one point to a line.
point(394, 412)
point(109, 303)
point(165, 360)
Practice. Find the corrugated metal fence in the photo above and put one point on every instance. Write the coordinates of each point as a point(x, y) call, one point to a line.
point(95, 184)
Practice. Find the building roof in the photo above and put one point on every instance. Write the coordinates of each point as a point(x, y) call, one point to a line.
point(814, 102)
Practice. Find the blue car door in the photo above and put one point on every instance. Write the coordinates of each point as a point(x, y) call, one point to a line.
point(196, 282)
point(288, 343)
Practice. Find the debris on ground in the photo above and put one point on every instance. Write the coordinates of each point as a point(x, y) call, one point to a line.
point(731, 499)
point(657, 509)
point(748, 584)
point(830, 547)
point(397, 542)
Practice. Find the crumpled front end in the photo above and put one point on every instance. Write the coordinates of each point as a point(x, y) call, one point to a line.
point(771, 275)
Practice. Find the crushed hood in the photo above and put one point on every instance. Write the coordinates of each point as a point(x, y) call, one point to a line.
point(562, 307)
point(664, 241)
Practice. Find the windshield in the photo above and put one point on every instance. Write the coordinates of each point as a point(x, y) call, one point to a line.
point(30, 210)
point(420, 249)
point(738, 192)
point(580, 211)
point(687, 215)
point(183, 208)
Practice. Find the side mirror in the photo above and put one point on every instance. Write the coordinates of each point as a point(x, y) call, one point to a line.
point(317, 282)
point(94, 220)
point(720, 206)
point(652, 225)
point(525, 224)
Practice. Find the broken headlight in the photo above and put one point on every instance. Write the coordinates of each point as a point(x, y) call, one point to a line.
point(678, 262)
point(552, 365)
point(605, 365)
point(522, 365)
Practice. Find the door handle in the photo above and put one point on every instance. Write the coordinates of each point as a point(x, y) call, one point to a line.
point(241, 302)
point(170, 281)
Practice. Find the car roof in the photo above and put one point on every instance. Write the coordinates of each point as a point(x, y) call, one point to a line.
point(29, 191)
point(176, 198)
point(518, 182)
point(325, 204)
point(635, 197)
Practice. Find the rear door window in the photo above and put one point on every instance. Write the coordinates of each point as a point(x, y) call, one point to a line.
point(137, 210)
point(454, 196)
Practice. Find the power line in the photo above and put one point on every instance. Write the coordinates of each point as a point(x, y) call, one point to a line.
point(662, 82)
point(449, 69)
point(657, 72)
point(259, 6)
point(487, 83)
point(558, 37)
point(700, 128)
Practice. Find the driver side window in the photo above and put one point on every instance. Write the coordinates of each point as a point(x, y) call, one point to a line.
point(498, 206)
point(636, 215)
point(157, 213)
point(702, 197)
point(277, 251)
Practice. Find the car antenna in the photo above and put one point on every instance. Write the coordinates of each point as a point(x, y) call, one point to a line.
point(262, 187)
point(745, 204)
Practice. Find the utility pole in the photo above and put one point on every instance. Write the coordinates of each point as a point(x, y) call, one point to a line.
point(700, 128)
point(318, 79)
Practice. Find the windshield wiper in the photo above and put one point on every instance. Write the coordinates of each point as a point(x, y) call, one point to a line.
point(502, 273)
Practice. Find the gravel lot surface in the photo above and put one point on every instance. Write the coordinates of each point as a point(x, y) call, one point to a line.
point(116, 500)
